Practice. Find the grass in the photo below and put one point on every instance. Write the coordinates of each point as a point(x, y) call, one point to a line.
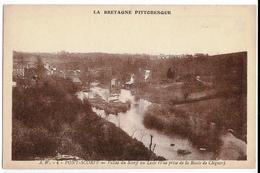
point(202, 122)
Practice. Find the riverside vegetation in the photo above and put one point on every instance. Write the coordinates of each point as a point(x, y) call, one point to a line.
point(49, 119)
point(203, 112)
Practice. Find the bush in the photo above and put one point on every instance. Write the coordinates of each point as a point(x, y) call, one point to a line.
point(39, 113)
point(48, 118)
point(47, 104)
point(30, 143)
point(173, 121)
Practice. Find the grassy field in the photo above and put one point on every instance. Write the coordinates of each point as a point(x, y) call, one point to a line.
point(203, 116)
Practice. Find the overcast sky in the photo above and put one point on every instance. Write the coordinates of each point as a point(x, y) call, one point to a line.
point(187, 30)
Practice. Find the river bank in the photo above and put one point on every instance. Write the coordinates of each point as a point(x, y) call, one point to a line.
point(131, 121)
point(203, 117)
point(185, 131)
point(52, 123)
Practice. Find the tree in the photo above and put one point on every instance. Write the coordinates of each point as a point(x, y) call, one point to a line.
point(40, 68)
point(171, 73)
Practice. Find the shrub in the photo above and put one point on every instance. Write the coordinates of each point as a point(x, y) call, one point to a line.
point(173, 121)
point(48, 104)
point(29, 143)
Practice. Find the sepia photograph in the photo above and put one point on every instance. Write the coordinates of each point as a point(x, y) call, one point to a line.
point(99, 106)
point(129, 83)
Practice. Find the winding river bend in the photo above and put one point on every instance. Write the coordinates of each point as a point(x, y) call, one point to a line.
point(132, 123)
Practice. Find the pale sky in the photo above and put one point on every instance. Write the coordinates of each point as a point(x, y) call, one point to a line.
point(189, 29)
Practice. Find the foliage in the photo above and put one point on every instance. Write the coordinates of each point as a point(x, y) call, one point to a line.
point(32, 142)
point(171, 73)
point(49, 119)
point(46, 104)
point(121, 66)
point(173, 121)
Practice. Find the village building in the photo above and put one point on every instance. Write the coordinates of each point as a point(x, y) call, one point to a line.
point(50, 70)
point(18, 70)
point(72, 73)
point(76, 81)
point(14, 84)
point(130, 83)
point(74, 76)
point(60, 73)
point(147, 75)
point(115, 85)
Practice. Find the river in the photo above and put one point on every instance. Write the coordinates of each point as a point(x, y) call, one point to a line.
point(132, 123)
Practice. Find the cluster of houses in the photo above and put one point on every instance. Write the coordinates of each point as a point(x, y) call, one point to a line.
point(145, 77)
point(27, 73)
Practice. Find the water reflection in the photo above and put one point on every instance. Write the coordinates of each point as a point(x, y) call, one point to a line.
point(132, 123)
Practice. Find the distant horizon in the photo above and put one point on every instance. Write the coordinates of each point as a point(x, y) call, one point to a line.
point(103, 52)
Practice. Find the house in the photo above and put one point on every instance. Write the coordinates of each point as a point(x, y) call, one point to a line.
point(73, 73)
point(115, 85)
point(60, 73)
point(113, 82)
point(130, 83)
point(18, 70)
point(208, 84)
point(50, 70)
point(26, 79)
point(147, 75)
point(76, 81)
point(13, 84)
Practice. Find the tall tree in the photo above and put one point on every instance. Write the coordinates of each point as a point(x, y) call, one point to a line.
point(171, 73)
point(40, 68)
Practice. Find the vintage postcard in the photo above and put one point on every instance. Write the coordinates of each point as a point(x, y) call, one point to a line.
point(129, 86)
